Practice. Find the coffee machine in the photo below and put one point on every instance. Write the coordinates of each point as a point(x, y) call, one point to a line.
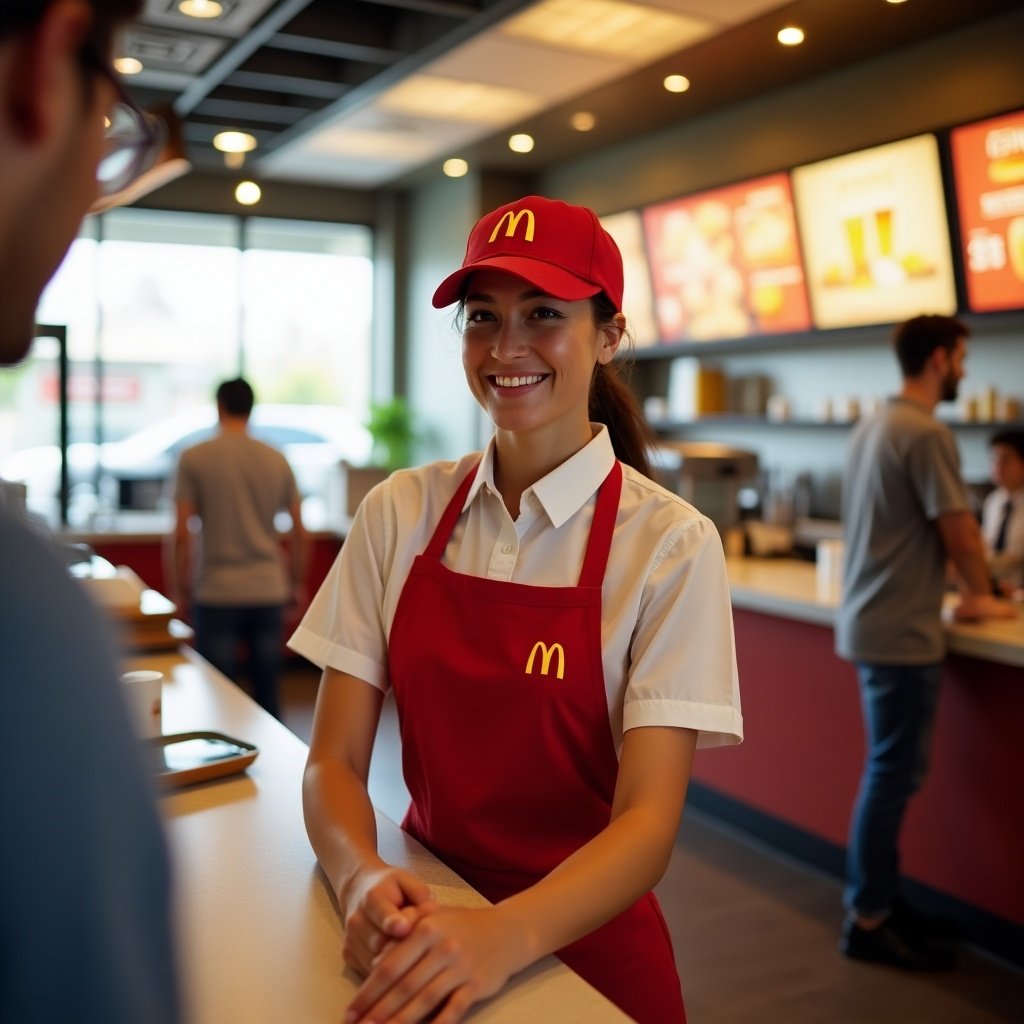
point(707, 474)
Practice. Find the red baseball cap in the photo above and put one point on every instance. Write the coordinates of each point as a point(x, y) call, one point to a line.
point(559, 248)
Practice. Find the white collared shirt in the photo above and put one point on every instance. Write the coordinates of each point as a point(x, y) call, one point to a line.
point(1009, 564)
point(666, 620)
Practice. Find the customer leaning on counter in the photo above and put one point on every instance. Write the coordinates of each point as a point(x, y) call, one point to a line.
point(906, 513)
point(548, 726)
point(85, 930)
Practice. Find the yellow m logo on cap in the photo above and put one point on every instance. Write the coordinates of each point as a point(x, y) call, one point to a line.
point(546, 654)
point(513, 223)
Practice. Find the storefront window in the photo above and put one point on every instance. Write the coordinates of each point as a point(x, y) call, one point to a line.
point(159, 307)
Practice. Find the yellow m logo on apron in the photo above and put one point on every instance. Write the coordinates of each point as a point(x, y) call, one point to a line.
point(546, 654)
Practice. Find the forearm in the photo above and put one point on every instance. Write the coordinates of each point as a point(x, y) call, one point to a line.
point(971, 568)
point(604, 877)
point(340, 823)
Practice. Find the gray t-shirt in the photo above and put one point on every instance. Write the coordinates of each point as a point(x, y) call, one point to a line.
point(237, 485)
point(902, 473)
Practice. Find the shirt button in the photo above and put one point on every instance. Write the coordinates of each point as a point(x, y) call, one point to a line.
point(506, 549)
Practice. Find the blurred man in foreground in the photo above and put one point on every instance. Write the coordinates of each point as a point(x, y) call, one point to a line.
point(85, 928)
point(906, 513)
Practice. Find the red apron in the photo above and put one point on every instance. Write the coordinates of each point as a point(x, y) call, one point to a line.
point(507, 749)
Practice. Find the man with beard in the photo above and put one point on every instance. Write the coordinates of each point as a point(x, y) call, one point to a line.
point(905, 514)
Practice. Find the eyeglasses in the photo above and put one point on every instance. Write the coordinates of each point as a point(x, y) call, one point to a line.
point(133, 138)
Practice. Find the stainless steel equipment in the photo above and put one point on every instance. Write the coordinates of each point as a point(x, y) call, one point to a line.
point(707, 474)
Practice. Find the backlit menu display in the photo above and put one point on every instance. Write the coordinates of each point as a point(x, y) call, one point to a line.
point(637, 300)
point(875, 235)
point(726, 263)
point(988, 171)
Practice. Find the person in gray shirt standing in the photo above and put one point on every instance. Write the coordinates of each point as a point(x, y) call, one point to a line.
point(233, 570)
point(906, 515)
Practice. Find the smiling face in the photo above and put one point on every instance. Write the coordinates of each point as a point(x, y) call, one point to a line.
point(529, 358)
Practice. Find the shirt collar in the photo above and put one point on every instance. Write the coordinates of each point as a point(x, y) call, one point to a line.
point(568, 487)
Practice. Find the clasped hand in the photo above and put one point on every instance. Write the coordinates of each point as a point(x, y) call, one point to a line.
point(418, 957)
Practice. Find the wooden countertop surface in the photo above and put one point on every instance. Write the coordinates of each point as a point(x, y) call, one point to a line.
point(789, 588)
point(260, 937)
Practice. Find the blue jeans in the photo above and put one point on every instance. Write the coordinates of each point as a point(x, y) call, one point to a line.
point(223, 630)
point(898, 703)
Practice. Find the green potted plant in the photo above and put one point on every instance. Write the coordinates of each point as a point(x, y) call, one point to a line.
point(391, 427)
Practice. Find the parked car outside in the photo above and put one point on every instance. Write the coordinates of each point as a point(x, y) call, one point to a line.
point(134, 473)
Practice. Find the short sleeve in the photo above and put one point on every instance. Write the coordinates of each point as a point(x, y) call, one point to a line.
point(344, 627)
point(934, 468)
point(682, 668)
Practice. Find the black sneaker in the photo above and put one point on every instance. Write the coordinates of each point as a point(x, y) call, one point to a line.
point(886, 944)
point(919, 926)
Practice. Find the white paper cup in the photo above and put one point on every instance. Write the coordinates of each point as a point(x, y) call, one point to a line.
point(829, 569)
point(143, 691)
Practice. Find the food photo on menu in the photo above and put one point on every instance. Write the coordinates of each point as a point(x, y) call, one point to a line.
point(726, 263)
point(875, 234)
point(988, 172)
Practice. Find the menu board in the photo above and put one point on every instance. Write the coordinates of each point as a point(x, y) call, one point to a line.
point(726, 263)
point(637, 300)
point(875, 235)
point(988, 171)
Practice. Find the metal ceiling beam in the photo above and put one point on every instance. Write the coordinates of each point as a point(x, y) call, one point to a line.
point(292, 85)
point(237, 54)
point(336, 49)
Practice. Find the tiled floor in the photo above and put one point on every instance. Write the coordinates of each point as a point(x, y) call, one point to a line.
point(755, 933)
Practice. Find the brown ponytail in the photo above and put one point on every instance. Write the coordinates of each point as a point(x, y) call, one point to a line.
point(613, 403)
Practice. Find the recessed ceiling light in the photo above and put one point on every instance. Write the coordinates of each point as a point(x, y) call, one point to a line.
point(521, 143)
point(676, 83)
point(583, 121)
point(455, 167)
point(234, 142)
point(128, 65)
point(790, 35)
point(201, 8)
point(896, 1)
point(248, 193)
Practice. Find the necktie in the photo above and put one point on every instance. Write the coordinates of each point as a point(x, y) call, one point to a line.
point(1000, 541)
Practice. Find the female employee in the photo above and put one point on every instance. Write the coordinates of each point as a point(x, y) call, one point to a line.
point(557, 631)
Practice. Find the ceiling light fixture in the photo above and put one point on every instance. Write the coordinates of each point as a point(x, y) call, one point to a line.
point(234, 142)
point(201, 8)
point(128, 65)
point(248, 193)
point(896, 1)
point(790, 35)
point(520, 143)
point(583, 121)
point(676, 83)
point(456, 167)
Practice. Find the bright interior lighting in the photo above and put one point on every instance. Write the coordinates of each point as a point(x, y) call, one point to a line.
point(896, 1)
point(790, 36)
point(633, 32)
point(451, 99)
point(520, 143)
point(676, 83)
point(201, 8)
point(248, 193)
point(128, 65)
point(234, 142)
point(583, 121)
point(455, 167)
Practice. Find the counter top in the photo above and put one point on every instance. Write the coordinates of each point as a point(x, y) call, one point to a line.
point(789, 588)
point(260, 937)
